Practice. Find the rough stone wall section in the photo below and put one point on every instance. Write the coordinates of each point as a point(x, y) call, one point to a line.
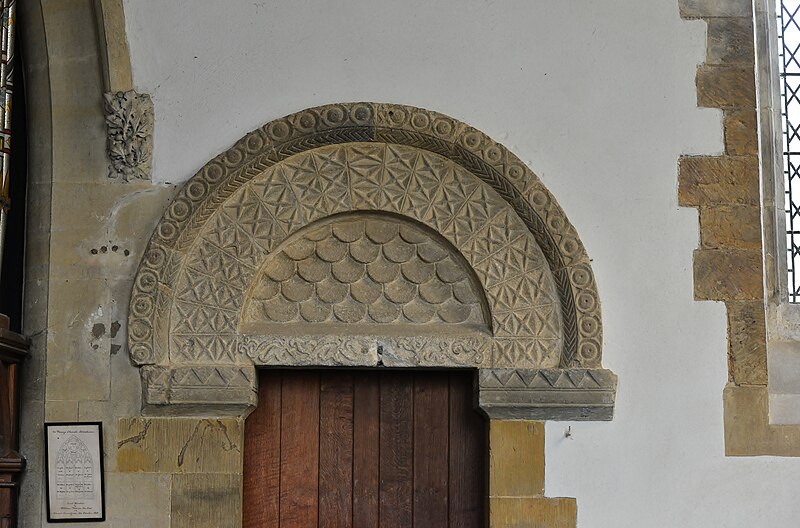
point(728, 265)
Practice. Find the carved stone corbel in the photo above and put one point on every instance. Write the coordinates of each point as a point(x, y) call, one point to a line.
point(129, 119)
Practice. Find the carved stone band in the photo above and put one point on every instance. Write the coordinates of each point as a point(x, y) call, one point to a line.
point(547, 394)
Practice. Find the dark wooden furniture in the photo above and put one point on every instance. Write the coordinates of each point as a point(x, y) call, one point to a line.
point(13, 351)
point(364, 449)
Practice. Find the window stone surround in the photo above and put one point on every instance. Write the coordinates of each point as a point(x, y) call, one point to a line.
point(732, 265)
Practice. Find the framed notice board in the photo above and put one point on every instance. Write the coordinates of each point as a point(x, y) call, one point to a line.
point(74, 461)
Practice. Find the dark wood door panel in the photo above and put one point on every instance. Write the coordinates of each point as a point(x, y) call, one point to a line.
point(364, 449)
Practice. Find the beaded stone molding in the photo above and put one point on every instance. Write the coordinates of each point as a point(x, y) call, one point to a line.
point(362, 235)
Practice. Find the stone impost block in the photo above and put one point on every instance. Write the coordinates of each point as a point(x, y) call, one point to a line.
point(747, 428)
point(202, 390)
point(516, 458)
point(747, 343)
point(206, 501)
point(715, 8)
point(741, 132)
point(532, 512)
point(727, 275)
point(731, 227)
point(726, 86)
point(730, 41)
point(179, 445)
point(547, 394)
point(718, 180)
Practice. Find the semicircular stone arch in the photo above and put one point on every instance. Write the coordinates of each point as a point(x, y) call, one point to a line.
point(363, 235)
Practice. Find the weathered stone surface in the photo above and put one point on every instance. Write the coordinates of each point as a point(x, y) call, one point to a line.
point(179, 445)
point(726, 86)
point(206, 501)
point(78, 368)
point(61, 411)
point(551, 394)
point(741, 132)
point(718, 180)
point(533, 512)
point(138, 500)
point(715, 8)
point(727, 275)
point(730, 41)
point(516, 458)
point(730, 227)
point(747, 343)
point(747, 428)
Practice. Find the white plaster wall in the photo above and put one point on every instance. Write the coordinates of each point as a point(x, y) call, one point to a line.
point(598, 97)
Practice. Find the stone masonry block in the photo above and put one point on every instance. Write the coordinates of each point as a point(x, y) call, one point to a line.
point(730, 226)
point(718, 180)
point(179, 445)
point(741, 132)
point(516, 458)
point(747, 358)
point(726, 86)
point(730, 41)
point(747, 428)
point(727, 275)
point(206, 501)
point(533, 512)
point(715, 8)
point(138, 500)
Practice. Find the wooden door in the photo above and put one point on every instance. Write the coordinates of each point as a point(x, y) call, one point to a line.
point(364, 449)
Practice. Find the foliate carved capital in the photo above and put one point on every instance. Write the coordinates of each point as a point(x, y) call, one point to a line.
point(547, 394)
point(129, 119)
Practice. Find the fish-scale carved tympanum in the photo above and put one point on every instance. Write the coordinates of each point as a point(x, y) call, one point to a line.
point(363, 235)
point(364, 271)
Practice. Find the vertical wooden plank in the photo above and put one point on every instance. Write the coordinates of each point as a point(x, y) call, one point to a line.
point(431, 460)
point(262, 447)
point(366, 449)
point(396, 435)
point(467, 457)
point(336, 450)
point(299, 450)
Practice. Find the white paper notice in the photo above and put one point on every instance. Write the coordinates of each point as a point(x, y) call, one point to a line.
point(74, 463)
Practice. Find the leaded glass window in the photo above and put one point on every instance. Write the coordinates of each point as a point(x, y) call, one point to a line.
point(789, 64)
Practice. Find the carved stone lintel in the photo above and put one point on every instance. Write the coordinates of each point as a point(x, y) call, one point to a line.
point(129, 119)
point(200, 390)
point(547, 394)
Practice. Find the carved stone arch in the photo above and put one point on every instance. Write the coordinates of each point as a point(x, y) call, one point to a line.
point(369, 234)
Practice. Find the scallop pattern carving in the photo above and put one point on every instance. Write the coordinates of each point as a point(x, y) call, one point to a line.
point(364, 270)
